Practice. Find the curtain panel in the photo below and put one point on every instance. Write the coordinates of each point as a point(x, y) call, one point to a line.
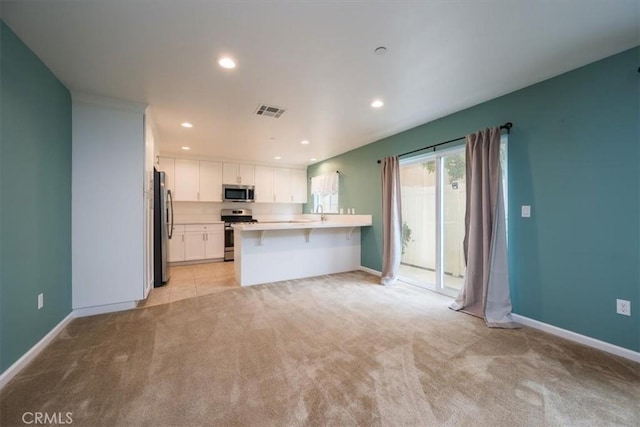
point(486, 291)
point(325, 184)
point(391, 220)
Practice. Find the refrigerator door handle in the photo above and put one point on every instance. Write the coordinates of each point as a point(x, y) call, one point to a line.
point(170, 209)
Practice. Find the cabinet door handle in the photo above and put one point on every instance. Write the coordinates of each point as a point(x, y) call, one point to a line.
point(198, 195)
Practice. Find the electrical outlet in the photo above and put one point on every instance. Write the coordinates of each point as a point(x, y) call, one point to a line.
point(525, 211)
point(623, 307)
point(40, 301)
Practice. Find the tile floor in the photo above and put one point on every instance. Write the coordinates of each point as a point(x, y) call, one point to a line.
point(188, 281)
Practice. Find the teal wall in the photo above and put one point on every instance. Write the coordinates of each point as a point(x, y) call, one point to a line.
point(35, 198)
point(574, 156)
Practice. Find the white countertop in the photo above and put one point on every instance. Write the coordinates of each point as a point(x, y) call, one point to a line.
point(359, 221)
point(197, 222)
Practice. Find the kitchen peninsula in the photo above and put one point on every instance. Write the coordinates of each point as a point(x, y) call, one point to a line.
point(268, 252)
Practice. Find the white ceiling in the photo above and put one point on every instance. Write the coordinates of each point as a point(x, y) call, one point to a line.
point(314, 58)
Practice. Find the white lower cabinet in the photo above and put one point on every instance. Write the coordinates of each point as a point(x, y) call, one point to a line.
point(193, 245)
point(198, 242)
point(176, 244)
point(214, 244)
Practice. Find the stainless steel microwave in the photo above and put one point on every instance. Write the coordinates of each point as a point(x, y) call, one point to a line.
point(238, 193)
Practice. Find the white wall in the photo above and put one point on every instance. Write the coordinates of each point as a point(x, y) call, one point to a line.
point(107, 202)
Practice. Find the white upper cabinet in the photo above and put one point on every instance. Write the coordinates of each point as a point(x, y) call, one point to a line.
point(299, 185)
point(264, 184)
point(196, 180)
point(202, 180)
point(237, 173)
point(229, 173)
point(210, 181)
point(167, 165)
point(282, 185)
point(290, 185)
point(246, 174)
point(187, 180)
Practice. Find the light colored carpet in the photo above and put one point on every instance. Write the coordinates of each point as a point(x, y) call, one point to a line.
point(334, 350)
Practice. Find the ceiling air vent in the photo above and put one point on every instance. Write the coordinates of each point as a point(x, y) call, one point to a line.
point(269, 111)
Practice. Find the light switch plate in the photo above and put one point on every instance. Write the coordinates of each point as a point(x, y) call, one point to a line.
point(40, 301)
point(526, 211)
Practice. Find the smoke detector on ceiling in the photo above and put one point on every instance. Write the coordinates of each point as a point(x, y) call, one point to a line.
point(269, 111)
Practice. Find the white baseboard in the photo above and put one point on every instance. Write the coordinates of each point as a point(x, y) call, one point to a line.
point(579, 338)
point(26, 358)
point(563, 333)
point(102, 309)
point(371, 271)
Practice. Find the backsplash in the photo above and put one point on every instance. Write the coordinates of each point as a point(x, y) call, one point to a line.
point(194, 212)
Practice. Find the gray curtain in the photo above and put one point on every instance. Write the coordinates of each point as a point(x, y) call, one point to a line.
point(391, 220)
point(486, 284)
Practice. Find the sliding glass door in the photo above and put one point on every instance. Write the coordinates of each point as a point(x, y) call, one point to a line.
point(454, 194)
point(433, 210)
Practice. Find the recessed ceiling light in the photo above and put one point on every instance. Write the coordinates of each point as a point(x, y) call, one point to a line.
point(313, 160)
point(186, 125)
point(305, 142)
point(185, 148)
point(226, 62)
point(377, 103)
point(277, 157)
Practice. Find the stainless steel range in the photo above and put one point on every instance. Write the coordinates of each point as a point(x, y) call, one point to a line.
point(232, 216)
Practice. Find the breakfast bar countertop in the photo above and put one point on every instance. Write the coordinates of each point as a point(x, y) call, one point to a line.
point(333, 221)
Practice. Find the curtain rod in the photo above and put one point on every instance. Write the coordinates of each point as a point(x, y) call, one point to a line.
point(506, 126)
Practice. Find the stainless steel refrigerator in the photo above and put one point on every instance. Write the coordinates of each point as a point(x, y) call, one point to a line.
point(162, 228)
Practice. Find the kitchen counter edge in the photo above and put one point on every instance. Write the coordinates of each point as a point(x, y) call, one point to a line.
point(299, 225)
